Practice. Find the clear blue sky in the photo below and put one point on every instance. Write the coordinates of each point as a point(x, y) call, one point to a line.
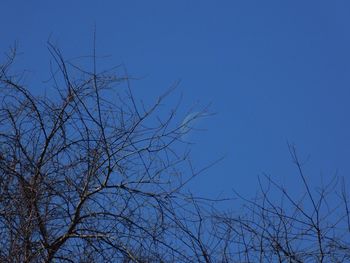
point(273, 71)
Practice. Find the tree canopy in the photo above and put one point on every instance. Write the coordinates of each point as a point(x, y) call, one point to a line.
point(90, 174)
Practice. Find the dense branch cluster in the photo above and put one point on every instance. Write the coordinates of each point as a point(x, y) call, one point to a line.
point(87, 176)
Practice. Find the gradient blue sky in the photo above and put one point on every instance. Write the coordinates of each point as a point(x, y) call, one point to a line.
point(274, 71)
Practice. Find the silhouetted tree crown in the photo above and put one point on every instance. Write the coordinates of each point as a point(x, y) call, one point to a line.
point(90, 174)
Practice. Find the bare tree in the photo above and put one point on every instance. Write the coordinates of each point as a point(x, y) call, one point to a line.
point(90, 174)
point(277, 226)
